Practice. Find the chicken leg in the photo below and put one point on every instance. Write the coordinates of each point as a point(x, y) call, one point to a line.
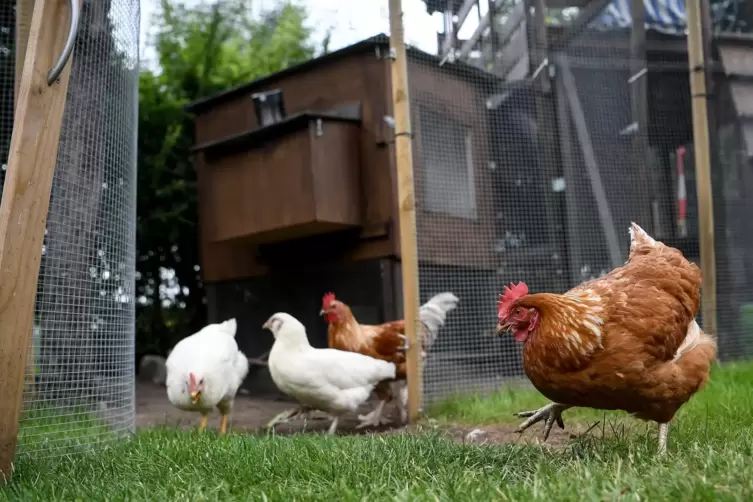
point(663, 434)
point(223, 424)
point(333, 426)
point(375, 418)
point(288, 415)
point(203, 425)
point(551, 413)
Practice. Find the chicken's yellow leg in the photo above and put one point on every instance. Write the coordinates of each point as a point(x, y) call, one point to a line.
point(204, 420)
point(223, 424)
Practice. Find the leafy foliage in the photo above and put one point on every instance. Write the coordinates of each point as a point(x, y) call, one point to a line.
point(201, 49)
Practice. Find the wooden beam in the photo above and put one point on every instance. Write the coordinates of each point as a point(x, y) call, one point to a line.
point(647, 210)
point(701, 143)
point(406, 206)
point(23, 209)
point(546, 127)
point(24, 11)
point(572, 208)
point(514, 19)
point(590, 11)
point(584, 138)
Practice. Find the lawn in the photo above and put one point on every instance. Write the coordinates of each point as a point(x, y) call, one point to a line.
point(710, 452)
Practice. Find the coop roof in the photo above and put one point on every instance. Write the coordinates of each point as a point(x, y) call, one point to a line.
point(371, 44)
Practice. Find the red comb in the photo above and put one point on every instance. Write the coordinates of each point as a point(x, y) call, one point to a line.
point(192, 379)
point(327, 299)
point(511, 293)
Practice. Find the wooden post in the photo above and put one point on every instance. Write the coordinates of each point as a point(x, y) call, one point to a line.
point(701, 143)
point(23, 209)
point(24, 11)
point(406, 204)
point(546, 129)
point(647, 213)
point(572, 211)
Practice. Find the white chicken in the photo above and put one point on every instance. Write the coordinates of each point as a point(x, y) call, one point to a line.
point(330, 380)
point(205, 370)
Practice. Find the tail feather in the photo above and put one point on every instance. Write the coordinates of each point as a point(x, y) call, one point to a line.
point(241, 365)
point(694, 337)
point(433, 315)
point(230, 327)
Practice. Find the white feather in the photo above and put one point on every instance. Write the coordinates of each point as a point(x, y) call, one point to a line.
point(212, 355)
point(330, 380)
point(433, 314)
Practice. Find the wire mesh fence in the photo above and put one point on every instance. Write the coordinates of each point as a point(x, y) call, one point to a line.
point(79, 388)
point(530, 165)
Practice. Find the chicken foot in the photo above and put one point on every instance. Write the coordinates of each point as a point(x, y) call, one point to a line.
point(287, 415)
point(375, 418)
point(551, 413)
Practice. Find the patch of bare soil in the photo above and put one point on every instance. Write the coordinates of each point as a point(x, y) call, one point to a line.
point(251, 414)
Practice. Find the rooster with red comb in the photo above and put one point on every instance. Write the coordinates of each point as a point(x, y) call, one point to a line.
point(384, 341)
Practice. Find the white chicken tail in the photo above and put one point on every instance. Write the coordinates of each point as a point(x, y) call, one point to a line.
point(229, 327)
point(433, 315)
point(694, 337)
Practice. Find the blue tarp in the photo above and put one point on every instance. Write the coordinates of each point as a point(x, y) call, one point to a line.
point(666, 16)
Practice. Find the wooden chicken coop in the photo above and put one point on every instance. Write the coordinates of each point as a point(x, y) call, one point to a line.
point(297, 192)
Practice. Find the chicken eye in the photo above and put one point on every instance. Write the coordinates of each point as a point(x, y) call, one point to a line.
point(517, 311)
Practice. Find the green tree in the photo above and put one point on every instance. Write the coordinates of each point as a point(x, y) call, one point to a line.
point(201, 49)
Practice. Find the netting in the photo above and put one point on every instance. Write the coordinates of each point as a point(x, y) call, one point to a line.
point(80, 377)
point(530, 165)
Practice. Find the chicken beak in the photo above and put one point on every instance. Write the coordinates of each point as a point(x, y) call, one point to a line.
point(502, 329)
point(195, 396)
point(322, 312)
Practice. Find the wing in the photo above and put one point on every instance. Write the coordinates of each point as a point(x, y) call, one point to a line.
point(341, 369)
point(654, 297)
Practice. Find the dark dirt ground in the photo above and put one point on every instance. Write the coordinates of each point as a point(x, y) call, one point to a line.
point(251, 414)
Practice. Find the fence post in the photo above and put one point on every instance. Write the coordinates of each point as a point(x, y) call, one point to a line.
point(406, 204)
point(698, 91)
point(23, 210)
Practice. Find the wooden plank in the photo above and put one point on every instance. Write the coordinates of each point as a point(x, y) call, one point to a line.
point(23, 210)
point(646, 214)
point(572, 210)
point(24, 11)
point(701, 142)
point(406, 206)
point(584, 138)
point(546, 129)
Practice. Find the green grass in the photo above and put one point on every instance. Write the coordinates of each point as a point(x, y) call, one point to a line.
point(710, 452)
point(46, 431)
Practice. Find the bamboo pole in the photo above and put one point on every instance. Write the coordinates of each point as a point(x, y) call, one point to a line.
point(701, 140)
point(406, 204)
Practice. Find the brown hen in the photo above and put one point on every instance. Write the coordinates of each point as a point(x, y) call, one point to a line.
point(384, 341)
point(625, 341)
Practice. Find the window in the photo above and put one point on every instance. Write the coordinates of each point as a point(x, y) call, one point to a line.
point(447, 165)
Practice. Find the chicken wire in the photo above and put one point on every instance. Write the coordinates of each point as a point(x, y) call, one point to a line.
point(79, 389)
point(531, 169)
